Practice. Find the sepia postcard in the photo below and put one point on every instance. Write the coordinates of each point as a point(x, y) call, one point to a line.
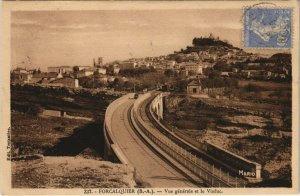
point(149, 97)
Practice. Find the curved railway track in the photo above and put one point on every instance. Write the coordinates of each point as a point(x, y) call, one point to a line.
point(202, 165)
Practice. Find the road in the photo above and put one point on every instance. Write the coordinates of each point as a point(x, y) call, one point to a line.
point(149, 165)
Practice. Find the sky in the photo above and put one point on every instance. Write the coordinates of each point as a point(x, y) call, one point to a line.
point(54, 38)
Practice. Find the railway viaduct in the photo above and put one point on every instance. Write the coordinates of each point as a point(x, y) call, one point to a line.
point(157, 105)
point(136, 135)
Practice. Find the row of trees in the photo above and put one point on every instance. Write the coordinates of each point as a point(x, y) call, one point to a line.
point(58, 91)
point(136, 72)
point(219, 82)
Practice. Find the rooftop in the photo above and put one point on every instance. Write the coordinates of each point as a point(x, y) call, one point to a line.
point(194, 83)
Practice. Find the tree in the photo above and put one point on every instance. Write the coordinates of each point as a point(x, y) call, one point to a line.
point(178, 59)
point(110, 69)
point(181, 85)
point(207, 71)
point(270, 129)
point(129, 84)
point(99, 83)
point(75, 71)
point(169, 72)
point(34, 109)
point(86, 82)
point(222, 66)
point(214, 74)
point(118, 83)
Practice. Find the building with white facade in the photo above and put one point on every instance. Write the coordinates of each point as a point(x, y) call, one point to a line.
point(101, 70)
point(194, 68)
point(127, 65)
point(60, 69)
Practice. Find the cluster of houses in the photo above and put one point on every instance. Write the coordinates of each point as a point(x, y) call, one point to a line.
point(185, 68)
point(259, 74)
point(67, 76)
point(195, 63)
point(184, 64)
point(53, 78)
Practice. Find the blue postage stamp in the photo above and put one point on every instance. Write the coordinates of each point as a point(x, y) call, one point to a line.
point(267, 28)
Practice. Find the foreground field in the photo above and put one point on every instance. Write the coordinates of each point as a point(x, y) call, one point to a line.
point(54, 136)
point(59, 152)
point(70, 172)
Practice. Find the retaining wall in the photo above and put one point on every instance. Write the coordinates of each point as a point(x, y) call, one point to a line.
point(240, 165)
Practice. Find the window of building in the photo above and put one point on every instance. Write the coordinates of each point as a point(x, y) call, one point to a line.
point(194, 90)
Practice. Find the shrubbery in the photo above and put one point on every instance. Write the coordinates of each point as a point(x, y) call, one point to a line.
point(29, 108)
point(60, 91)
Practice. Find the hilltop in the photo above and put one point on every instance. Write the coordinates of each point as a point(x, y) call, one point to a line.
point(208, 43)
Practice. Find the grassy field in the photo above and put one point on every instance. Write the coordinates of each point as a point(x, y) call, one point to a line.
point(53, 136)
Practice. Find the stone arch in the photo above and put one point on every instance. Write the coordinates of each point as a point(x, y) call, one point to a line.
point(158, 109)
point(157, 105)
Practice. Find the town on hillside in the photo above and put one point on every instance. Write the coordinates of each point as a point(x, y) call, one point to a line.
point(209, 63)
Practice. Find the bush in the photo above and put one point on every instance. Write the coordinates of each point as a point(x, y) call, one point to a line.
point(34, 109)
point(237, 145)
point(200, 104)
point(61, 128)
point(257, 138)
point(252, 88)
